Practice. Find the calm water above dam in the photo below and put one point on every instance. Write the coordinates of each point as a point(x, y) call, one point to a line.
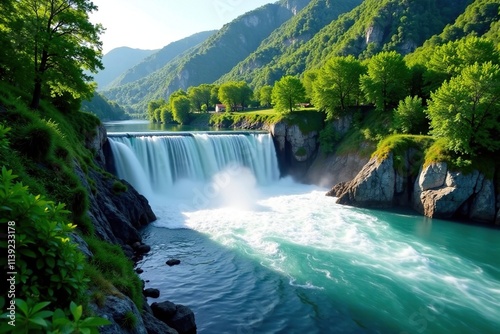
point(266, 255)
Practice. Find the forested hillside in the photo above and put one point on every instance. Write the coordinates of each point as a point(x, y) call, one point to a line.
point(159, 59)
point(372, 27)
point(290, 38)
point(118, 61)
point(212, 59)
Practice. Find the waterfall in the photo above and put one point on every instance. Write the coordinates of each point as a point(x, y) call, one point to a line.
point(153, 164)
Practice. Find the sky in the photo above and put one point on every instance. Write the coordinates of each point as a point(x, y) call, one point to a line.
point(152, 24)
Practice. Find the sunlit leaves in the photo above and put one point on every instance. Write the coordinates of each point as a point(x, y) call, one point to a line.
point(466, 110)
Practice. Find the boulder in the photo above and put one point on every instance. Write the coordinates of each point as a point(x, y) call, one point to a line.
point(118, 310)
point(173, 262)
point(179, 317)
point(373, 186)
point(483, 205)
point(152, 293)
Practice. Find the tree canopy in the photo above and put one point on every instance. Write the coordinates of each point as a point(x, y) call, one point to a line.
point(466, 110)
point(53, 42)
point(287, 93)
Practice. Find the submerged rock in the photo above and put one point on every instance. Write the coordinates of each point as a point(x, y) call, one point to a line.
point(179, 317)
point(173, 262)
point(152, 293)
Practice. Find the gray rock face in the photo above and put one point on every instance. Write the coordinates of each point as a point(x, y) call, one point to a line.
point(329, 170)
point(435, 192)
point(118, 311)
point(440, 193)
point(179, 317)
point(295, 149)
point(373, 186)
point(116, 216)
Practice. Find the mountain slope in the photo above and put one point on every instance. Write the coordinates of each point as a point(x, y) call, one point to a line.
point(373, 26)
point(290, 36)
point(159, 59)
point(118, 61)
point(212, 59)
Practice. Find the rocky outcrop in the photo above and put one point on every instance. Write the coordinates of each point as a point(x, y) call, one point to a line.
point(123, 315)
point(179, 317)
point(327, 170)
point(435, 191)
point(441, 193)
point(116, 216)
point(294, 148)
point(373, 186)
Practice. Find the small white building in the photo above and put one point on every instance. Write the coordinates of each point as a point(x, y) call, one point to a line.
point(220, 107)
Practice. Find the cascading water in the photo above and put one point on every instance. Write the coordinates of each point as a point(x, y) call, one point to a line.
point(153, 164)
point(263, 255)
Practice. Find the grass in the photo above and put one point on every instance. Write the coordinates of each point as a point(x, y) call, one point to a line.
point(308, 120)
point(44, 145)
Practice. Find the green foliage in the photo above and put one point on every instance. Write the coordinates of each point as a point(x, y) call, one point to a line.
point(155, 108)
point(234, 95)
point(337, 86)
point(181, 107)
point(110, 269)
point(265, 94)
point(129, 320)
point(103, 108)
point(466, 110)
point(118, 187)
point(328, 137)
point(49, 265)
point(409, 117)
point(450, 59)
point(33, 317)
point(387, 80)
point(36, 141)
point(287, 93)
point(200, 96)
point(400, 144)
point(59, 43)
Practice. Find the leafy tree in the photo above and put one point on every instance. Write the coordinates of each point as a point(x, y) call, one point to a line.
point(450, 59)
point(337, 85)
point(165, 114)
point(466, 110)
point(180, 109)
point(245, 93)
point(200, 95)
point(386, 81)
point(232, 94)
point(153, 106)
point(60, 42)
point(287, 93)
point(409, 117)
point(265, 94)
point(309, 80)
point(229, 95)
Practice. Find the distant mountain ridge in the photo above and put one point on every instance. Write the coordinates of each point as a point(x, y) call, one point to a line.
point(160, 58)
point(212, 59)
point(292, 36)
point(116, 62)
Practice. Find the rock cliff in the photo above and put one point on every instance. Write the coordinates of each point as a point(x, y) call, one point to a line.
point(435, 191)
point(294, 148)
point(117, 216)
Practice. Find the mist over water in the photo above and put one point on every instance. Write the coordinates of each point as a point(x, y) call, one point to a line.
point(263, 255)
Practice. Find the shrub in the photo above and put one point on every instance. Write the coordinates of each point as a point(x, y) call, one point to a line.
point(110, 265)
point(49, 265)
point(36, 141)
point(119, 187)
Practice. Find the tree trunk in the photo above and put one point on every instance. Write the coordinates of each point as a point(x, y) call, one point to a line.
point(37, 94)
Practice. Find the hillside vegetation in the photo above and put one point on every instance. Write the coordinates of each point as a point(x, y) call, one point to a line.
point(293, 37)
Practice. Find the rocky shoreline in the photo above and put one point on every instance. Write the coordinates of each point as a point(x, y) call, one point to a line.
point(117, 219)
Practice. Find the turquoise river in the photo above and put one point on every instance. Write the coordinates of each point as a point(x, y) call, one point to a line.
point(263, 254)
